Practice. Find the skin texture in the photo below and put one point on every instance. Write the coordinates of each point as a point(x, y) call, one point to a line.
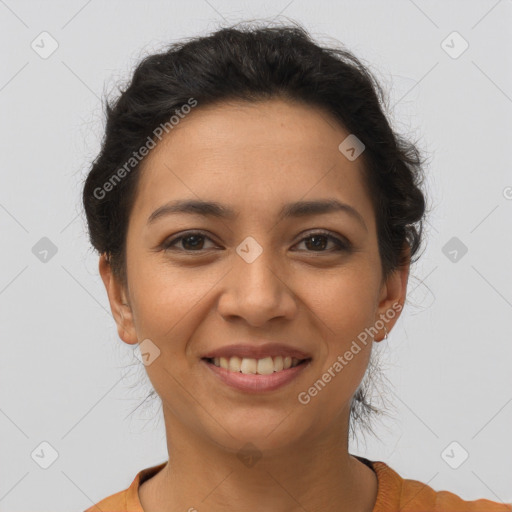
point(254, 157)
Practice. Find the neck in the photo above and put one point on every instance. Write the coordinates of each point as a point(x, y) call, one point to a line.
point(312, 474)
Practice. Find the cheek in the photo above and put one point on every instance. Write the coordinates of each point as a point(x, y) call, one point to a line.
point(346, 304)
point(161, 299)
point(346, 301)
point(346, 308)
point(170, 303)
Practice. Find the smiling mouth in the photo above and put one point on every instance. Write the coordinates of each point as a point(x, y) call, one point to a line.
point(264, 366)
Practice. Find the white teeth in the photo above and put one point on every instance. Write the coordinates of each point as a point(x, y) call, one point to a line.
point(248, 365)
point(278, 363)
point(234, 364)
point(265, 366)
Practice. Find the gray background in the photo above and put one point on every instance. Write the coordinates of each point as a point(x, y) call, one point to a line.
point(67, 379)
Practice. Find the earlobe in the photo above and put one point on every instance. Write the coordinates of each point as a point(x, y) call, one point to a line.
point(119, 304)
point(126, 327)
point(393, 298)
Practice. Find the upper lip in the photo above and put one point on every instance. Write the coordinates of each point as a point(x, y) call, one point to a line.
point(260, 351)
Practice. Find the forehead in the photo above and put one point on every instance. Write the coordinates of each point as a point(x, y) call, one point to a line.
point(253, 156)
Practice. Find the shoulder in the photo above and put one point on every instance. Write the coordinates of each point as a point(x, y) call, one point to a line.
point(115, 502)
point(406, 495)
point(127, 500)
point(416, 494)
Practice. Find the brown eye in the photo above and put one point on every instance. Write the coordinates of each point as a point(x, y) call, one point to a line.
point(318, 241)
point(190, 242)
point(314, 242)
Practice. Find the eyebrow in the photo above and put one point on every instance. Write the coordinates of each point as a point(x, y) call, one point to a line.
point(218, 210)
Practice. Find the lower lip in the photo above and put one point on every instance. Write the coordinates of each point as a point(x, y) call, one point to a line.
point(255, 382)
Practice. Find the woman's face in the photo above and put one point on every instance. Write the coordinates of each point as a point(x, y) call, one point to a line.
point(256, 276)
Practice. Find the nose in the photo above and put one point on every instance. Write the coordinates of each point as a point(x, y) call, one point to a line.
point(257, 292)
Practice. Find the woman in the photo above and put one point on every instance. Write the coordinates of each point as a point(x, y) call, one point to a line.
point(256, 218)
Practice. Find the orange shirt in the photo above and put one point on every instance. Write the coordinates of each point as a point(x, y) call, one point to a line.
point(394, 494)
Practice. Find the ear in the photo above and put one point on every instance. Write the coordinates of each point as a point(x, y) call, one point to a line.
point(119, 303)
point(393, 294)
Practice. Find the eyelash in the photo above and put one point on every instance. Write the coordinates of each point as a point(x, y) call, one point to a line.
point(341, 245)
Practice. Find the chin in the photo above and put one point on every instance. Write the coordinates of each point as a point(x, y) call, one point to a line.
point(274, 432)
